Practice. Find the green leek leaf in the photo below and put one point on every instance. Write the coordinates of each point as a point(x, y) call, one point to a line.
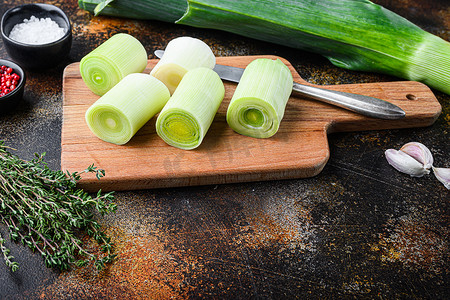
point(162, 10)
point(101, 6)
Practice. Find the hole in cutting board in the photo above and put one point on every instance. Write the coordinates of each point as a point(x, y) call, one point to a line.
point(411, 97)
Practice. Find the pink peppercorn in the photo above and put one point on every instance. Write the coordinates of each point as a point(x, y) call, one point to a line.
point(8, 80)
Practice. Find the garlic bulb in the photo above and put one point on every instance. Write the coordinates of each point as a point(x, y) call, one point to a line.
point(416, 160)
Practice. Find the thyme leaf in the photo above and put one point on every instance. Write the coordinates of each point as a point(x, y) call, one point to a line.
point(45, 211)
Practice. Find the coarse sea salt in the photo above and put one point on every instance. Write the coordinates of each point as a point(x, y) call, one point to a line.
point(37, 31)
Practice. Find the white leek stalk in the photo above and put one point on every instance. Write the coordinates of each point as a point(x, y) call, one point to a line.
point(257, 106)
point(122, 111)
point(181, 55)
point(188, 114)
point(106, 65)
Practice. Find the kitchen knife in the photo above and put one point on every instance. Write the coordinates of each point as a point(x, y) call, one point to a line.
point(364, 105)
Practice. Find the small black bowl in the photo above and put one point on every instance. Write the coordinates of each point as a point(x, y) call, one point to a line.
point(10, 100)
point(32, 56)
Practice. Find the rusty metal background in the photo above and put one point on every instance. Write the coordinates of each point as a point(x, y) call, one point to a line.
point(359, 229)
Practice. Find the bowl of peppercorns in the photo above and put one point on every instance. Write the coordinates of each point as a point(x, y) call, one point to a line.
point(37, 36)
point(12, 83)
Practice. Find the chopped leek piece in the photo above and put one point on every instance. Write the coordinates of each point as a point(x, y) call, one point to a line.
point(188, 114)
point(106, 65)
point(258, 104)
point(181, 55)
point(122, 111)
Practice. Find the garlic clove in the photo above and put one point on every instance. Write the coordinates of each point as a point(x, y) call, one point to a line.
point(443, 175)
point(405, 163)
point(419, 152)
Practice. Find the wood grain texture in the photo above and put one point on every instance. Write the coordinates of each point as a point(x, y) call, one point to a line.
point(299, 149)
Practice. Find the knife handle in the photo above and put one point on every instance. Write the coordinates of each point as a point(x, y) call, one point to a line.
point(365, 105)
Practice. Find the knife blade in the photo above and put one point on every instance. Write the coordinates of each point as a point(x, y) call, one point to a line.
point(364, 105)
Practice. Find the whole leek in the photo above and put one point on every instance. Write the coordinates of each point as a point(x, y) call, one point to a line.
point(260, 98)
point(352, 34)
point(106, 65)
point(181, 55)
point(122, 111)
point(188, 114)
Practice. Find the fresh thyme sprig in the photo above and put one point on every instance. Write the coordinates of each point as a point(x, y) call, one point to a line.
point(45, 210)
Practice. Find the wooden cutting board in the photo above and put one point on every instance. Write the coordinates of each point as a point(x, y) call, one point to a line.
point(299, 149)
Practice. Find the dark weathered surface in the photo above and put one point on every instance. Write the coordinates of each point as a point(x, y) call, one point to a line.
point(358, 229)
